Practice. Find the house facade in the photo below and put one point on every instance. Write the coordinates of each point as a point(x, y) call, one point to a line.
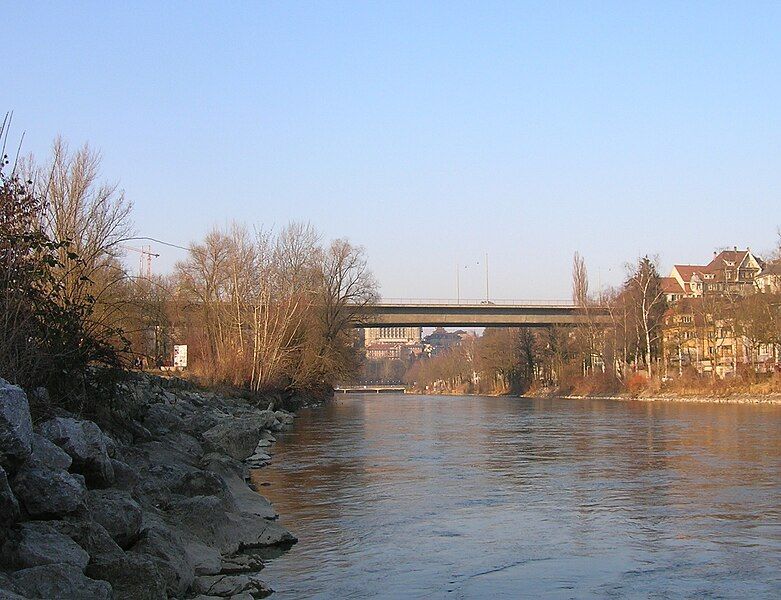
point(699, 329)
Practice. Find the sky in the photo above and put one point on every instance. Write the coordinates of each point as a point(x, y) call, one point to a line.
point(430, 133)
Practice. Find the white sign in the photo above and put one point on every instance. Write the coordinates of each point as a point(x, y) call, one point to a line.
point(180, 355)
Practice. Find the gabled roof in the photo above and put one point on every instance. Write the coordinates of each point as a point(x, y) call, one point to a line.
point(730, 259)
point(670, 285)
point(687, 271)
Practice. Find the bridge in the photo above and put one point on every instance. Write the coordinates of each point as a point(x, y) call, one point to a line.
point(370, 389)
point(476, 313)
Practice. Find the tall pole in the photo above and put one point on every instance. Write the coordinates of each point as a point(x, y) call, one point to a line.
point(458, 285)
point(486, 277)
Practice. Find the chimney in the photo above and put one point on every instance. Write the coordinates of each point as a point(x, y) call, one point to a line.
point(735, 248)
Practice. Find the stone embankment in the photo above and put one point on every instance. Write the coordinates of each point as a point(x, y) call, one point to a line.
point(157, 507)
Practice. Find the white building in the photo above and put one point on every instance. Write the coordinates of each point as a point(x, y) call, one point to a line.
point(392, 335)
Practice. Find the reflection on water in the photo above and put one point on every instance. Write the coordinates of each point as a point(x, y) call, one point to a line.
point(469, 497)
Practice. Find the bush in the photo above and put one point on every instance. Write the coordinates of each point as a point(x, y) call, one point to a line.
point(636, 383)
point(46, 338)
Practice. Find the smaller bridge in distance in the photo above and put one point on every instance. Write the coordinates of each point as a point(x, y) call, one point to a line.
point(394, 312)
point(370, 389)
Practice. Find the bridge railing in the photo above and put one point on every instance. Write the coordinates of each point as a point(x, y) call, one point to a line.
point(472, 302)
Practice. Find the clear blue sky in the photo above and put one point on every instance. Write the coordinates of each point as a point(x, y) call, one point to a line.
point(430, 133)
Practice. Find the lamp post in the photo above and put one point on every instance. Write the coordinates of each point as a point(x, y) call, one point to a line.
point(486, 277)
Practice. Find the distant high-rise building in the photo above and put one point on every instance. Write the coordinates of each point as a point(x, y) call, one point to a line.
point(392, 335)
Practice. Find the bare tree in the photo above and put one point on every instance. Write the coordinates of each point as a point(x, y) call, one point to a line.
point(579, 281)
point(648, 305)
point(347, 285)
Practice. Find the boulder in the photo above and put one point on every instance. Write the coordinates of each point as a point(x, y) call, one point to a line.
point(16, 426)
point(204, 483)
point(235, 437)
point(49, 454)
point(38, 543)
point(258, 459)
point(9, 505)
point(6, 594)
point(166, 548)
point(118, 513)
point(207, 560)
point(284, 417)
point(132, 577)
point(205, 518)
point(125, 478)
point(241, 563)
point(91, 536)
point(59, 581)
point(86, 445)
point(46, 493)
point(161, 418)
point(260, 533)
point(230, 586)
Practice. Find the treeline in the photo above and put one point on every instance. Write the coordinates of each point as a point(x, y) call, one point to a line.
point(270, 311)
point(259, 309)
point(643, 347)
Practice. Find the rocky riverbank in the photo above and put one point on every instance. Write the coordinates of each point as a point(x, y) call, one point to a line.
point(150, 507)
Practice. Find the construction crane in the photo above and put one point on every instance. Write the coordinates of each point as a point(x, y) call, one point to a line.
point(145, 260)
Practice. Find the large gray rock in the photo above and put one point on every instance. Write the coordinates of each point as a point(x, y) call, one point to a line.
point(200, 422)
point(284, 417)
point(118, 513)
point(241, 563)
point(59, 581)
point(87, 446)
point(91, 536)
point(132, 577)
point(125, 478)
point(230, 586)
point(38, 543)
point(203, 483)
point(205, 518)
point(48, 454)
point(162, 418)
point(9, 505)
point(236, 437)
point(16, 426)
point(46, 493)
point(166, 548)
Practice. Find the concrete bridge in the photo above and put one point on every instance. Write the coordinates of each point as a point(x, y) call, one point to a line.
point(476, 313)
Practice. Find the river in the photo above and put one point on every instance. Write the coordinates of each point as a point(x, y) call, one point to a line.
point(476, 497)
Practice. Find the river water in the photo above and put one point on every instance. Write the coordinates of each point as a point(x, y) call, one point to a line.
point(474, 497)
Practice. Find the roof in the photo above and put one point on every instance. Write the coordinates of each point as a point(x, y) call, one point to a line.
point(735, 256)
point(670, 285)
point(687, 271)
point(773, 269)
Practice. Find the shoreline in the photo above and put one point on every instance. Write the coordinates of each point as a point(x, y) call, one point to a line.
point(159, 505)
point(737, 398)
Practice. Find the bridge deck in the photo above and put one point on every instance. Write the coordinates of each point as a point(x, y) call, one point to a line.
point(441, 314)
